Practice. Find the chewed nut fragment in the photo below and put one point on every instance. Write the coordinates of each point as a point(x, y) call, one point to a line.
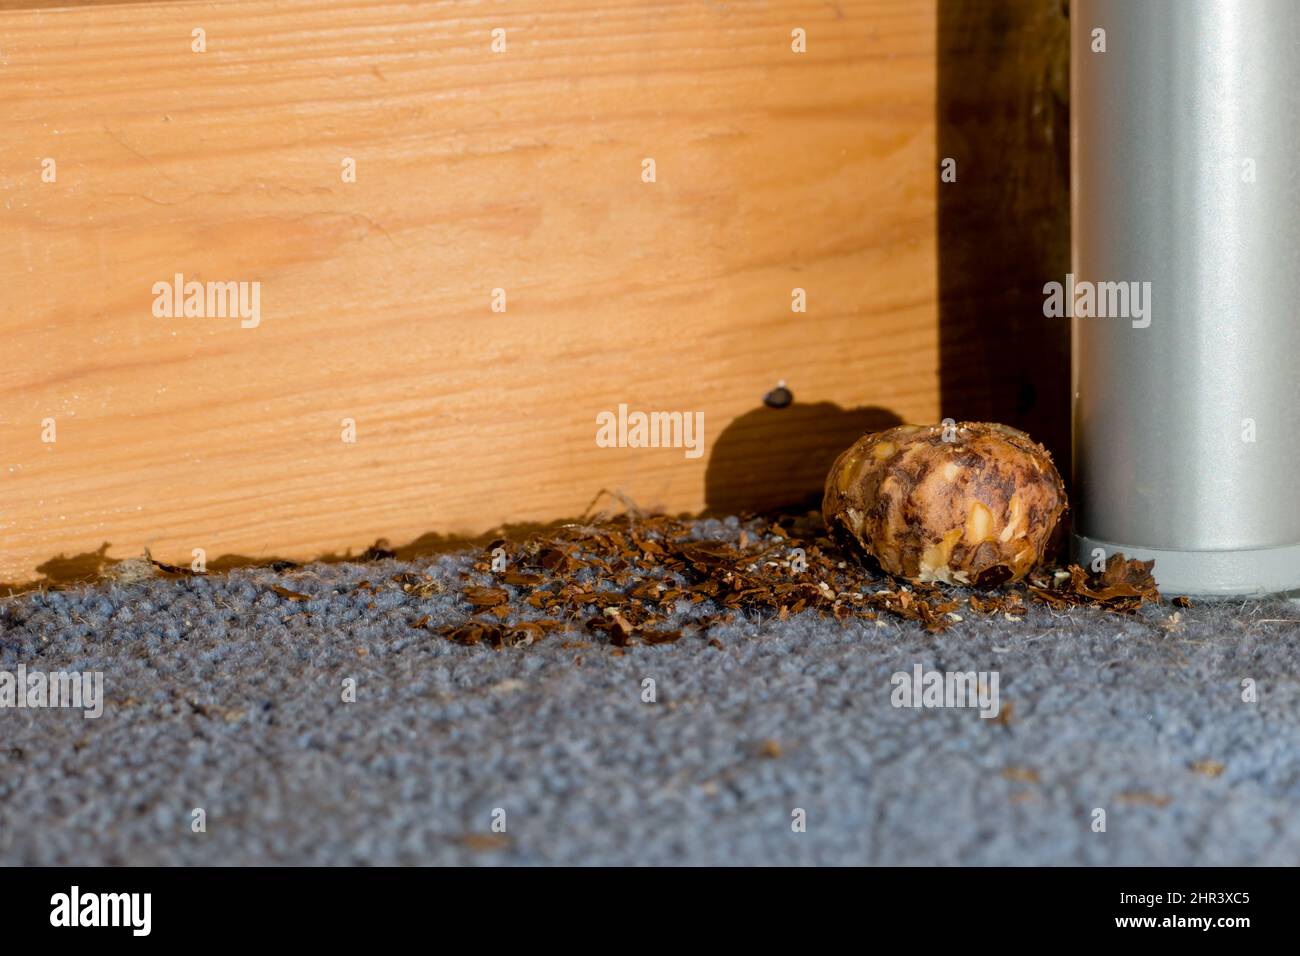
point(1015, 519)
point(983, 507)
point(978, 521)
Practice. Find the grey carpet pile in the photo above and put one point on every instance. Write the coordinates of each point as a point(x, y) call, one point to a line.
point(223, 695)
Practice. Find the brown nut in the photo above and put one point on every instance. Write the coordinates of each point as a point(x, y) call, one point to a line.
point(967, 503)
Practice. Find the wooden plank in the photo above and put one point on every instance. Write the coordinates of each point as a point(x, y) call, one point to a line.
point(476, 170)
point(1004, 225)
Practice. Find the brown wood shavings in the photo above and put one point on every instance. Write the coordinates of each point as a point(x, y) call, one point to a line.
point(625, 578)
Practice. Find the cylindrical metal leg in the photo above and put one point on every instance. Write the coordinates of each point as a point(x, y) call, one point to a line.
point(1185, 146)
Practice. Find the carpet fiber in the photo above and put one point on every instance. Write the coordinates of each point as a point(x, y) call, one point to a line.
point(226, 695)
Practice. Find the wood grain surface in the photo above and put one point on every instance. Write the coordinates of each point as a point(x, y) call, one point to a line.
point(475, 170)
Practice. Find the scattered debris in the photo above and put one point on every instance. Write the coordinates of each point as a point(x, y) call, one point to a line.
point(1020, 774)
point(1124, 586)
point(485, 842)
point(419, 585)
point(131, 571)
point(1142, 797)
point(630, 578)
point(170, 569)
point(486, 597)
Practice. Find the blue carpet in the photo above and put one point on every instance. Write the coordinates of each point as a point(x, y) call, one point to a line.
point(224, 695)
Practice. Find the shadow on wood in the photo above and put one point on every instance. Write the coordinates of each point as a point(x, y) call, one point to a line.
point(1002, 106)
point(772, 458)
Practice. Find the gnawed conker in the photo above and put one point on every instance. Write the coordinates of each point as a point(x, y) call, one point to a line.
point(965, 503)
